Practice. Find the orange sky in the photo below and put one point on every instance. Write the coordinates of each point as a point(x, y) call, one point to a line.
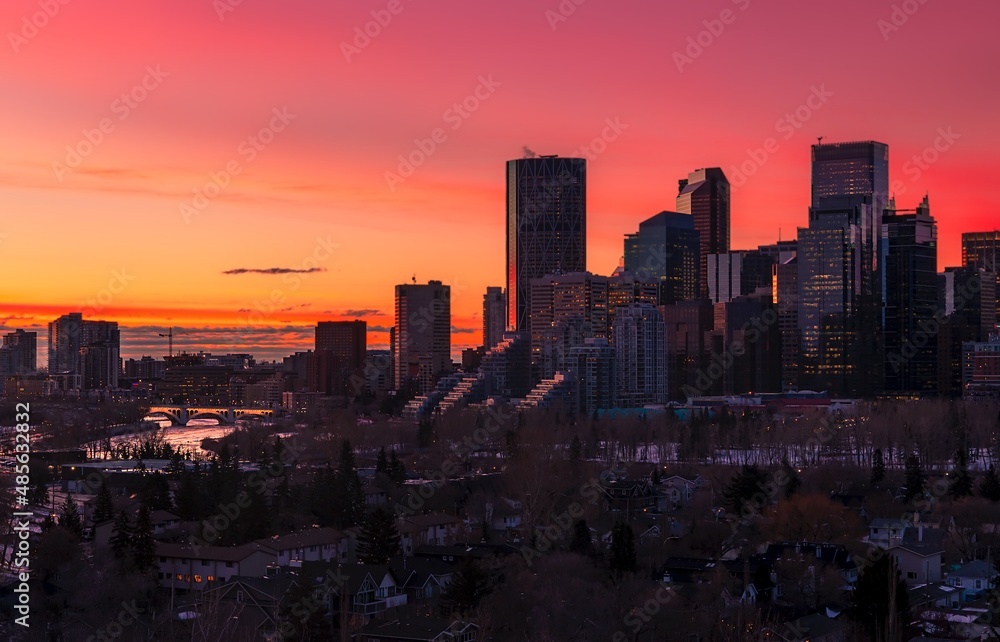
point(113, 223)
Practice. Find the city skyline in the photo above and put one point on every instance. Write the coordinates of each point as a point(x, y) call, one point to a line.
point(323, 193)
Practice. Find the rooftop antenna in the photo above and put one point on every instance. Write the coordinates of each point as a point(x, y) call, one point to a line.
point(414, 278)
point(819, 140)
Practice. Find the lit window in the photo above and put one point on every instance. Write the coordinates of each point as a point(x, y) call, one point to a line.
point(197, 579)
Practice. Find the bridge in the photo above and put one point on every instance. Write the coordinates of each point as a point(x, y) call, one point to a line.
point(181, 414)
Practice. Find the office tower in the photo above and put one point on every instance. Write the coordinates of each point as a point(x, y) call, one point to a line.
point(980, 249)
point(745, 346)
point(546, 226)
point(785, 293)
point(840, 298)
point(688, 325)
point(638, 341)
point(90, 349)
point(966, 297)
point(704, 194)
point(19, 353)
point(494, 316)
point(981, 369)
point(565, 309)
point(625, 288)
point(781, 251)
point(734, 274)
point(910, 334)
point(145, 368)
point(341, 348)
point(666, 249)
point(422, 340)
point(595, 367)
point(851, 169)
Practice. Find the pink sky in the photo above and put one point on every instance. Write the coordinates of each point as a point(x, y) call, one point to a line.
point(212, 82)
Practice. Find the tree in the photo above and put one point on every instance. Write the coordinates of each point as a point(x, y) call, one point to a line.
point(622, 549)
point(746, 493)
point(914, 477)
point(468, 586)
point(575, 449)
point(793, 482)
point(121, 537)
point(379, 537)
point(989, 487)
point(382, 462)
point(961, 481)
point(878, 466)
point(880, 600)
point(103, 505)
point(142, 543)
point(425, 434)
point(69, 518)
point(581, 542)
point(397, 471)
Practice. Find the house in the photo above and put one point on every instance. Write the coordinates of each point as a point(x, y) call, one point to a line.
point(680, 490)
point(428, 530)
point(421, 578)
point(816, 555)
point(936, 595)
point(419, 629)
point(972, 579)
point(311, 544)
point(183, 567)
point(631, 495)
point(505, 515)
point(919, 554)
point(367, 590)
point(813, 628)
point(252, 603)
point(886, 533)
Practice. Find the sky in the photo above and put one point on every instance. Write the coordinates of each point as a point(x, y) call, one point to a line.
point(240, 169)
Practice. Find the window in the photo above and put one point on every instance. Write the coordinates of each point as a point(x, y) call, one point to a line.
point(239, 597)
point(163, 560)
point(229, 564)
point(910, 575)
point(211, 578)
point(197, 579)
point(180, 578)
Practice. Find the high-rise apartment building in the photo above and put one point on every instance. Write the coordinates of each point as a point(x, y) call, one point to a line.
point(422, 339)
point(19, 353)
point(341, 349)
point(704, 194)
point(565, 310)
point(640, 355)
point(90, 349)
point(494, 316)
point(981, 250)
point(546, 226)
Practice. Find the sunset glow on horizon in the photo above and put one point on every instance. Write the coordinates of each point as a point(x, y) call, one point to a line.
point(240, 171)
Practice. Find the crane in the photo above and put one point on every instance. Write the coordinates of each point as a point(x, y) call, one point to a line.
point(170, 341)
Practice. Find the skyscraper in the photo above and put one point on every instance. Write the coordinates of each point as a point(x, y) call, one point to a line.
point(546, 226)
point(494, 316)
point(19, 353)
point(704, 194)
point(982, 249)
point(909, 257)
point(840, 298)
point(565, 310)
point(341, 350)
point(422, 340)
point(666, 249)
point(847, 169)
point(734, 274)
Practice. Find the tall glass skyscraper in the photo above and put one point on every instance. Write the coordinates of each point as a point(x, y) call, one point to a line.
point(848, 169)
point(546, 226)
point(666, 249)
point(704, 194)
point(909, 257)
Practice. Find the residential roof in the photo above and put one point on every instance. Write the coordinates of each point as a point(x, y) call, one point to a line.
point(922, 541)
point(831, 554)
point(417, 628)
point(219, 553)
point(302, 539)
point(975, 568)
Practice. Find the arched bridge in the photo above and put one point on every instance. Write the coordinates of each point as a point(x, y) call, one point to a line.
point(181, 415)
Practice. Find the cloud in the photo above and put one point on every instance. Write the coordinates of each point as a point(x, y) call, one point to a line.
point(274, 270)
point(365, 312)
point(457, 330)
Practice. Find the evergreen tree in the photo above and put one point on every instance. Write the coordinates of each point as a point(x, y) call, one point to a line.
point(397, 471)
point(989, 487)
point(69, 518)
point(575, 449)
point(103, 505)
point(142, 543)
point(878, 466)
point(793, 482)
point(425, 434)
point(349, 493)
point(379, 537)
point(656, 477)
point(121, 537)
point(880, 600)
point(622, 549)
point(914, 477)
point(382, 462)
point(581, 542)
point(155, 492)
point(961, 481)
point(746, 493)
point(187, 497)
point(468, 586)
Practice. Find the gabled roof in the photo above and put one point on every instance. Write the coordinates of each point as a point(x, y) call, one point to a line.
point(218, 553)
point(974, 569)
point(414, 572)
point(829, 554)
point(922, 541)
point(302, 539)
point(419, 629)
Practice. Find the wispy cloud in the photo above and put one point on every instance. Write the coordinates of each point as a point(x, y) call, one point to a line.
point(365, 312)
point(275, 270)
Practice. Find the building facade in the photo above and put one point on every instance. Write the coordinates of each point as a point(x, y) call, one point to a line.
point(704, 194)
point(667, 250)
point(422, 341)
